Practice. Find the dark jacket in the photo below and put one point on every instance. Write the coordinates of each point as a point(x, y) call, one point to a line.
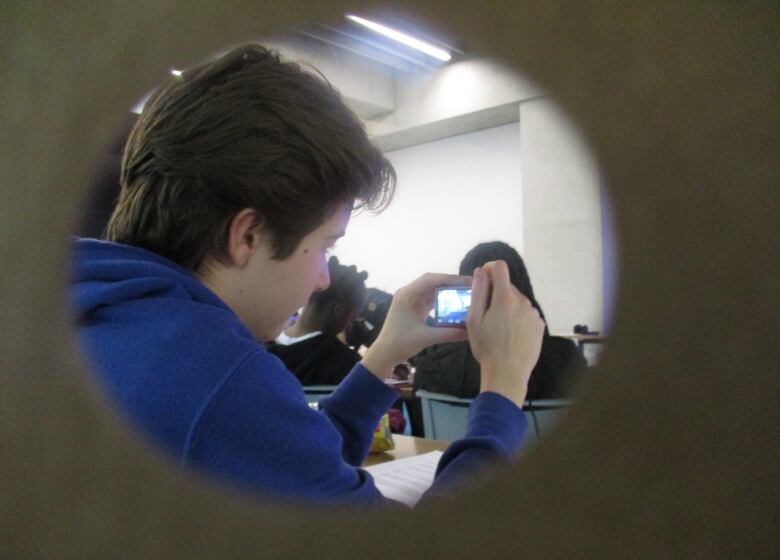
point(319, 360)
point(451, 369)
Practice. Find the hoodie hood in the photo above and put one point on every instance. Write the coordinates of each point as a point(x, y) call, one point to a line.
point(106, 274)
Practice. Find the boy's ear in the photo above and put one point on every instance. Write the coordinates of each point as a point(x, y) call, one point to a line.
point(244, 236)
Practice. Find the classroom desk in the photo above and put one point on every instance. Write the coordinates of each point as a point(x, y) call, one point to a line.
point(583, 339)
point(404, 388)
point(405, 446)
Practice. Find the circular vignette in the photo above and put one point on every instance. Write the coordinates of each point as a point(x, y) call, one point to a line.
point(100, 494)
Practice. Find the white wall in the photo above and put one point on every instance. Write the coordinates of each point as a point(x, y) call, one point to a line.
point(561, 218)
point(531, 184)
point(452, 194)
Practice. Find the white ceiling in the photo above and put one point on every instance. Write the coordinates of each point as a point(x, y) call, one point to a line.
point(403, 98)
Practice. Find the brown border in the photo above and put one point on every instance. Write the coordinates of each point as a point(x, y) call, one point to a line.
point(672, 451)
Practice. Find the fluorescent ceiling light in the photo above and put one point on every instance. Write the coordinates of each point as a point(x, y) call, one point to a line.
point(422, 46)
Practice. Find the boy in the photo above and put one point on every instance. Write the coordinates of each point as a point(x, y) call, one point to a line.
point(237, 179)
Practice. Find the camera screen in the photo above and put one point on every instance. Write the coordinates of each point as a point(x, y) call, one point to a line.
point(452, 305)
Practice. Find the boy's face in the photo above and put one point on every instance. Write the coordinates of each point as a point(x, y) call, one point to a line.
point(274, 290)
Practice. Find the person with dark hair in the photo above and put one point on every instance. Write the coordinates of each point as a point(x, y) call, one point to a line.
point(238, 177)
point(451, 368)
point(364, 329)
point(310, 347)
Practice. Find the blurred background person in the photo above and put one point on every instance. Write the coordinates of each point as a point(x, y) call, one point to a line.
point(312, 347)
point(361, 333)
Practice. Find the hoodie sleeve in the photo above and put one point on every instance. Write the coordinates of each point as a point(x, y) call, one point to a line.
point(257, 431)
point(494, 434)
point(359, 402)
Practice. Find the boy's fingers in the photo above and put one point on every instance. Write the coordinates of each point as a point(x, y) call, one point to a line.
point(480, 295)
point(431, 280)
point(502, 287)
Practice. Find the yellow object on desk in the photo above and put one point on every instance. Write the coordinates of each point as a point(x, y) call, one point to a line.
point(405, 446)
point(383, 437)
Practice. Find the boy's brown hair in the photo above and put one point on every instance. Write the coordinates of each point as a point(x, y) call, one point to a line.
point(247, 130)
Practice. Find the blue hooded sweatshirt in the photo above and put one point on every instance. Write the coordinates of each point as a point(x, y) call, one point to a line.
point(186, 372)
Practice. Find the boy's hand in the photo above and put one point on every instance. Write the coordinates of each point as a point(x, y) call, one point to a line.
point(405, 331)
point(505, 332)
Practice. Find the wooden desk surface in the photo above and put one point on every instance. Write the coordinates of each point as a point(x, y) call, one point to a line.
point(404, 388)
point(406, 446)
point(583, 337)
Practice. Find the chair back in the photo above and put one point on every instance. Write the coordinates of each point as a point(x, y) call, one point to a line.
point(444, 416)
point(542, 415)
point(315, 392)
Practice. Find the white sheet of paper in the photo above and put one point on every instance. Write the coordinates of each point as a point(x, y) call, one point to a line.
point(405, 480)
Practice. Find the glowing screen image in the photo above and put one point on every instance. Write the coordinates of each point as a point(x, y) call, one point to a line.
point(452, 305)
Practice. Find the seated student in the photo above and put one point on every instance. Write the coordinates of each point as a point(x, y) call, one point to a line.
point(363, 330)
point(236, 180)
point(451, 368)
point(310, 347)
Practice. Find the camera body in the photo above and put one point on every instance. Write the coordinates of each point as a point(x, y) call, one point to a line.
point(452, 306)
